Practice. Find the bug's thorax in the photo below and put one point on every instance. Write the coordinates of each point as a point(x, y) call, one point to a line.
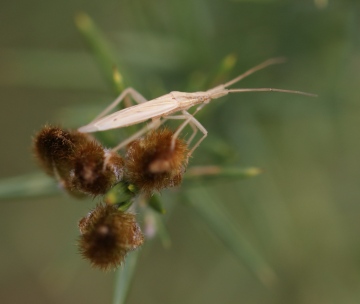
point(187, 100)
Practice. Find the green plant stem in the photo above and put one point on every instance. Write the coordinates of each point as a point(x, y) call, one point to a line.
point(28, 186)
point(101, 50)
point(124, 278)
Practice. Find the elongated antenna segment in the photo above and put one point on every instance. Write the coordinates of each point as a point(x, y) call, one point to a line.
point(255, 69)
point(270, 90)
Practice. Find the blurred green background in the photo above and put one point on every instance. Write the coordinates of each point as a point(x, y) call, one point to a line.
point(302, 214)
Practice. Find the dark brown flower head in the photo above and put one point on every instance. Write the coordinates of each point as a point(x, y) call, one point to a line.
point(151, 164)
point(54, 148)
point(96, 169)
point(107, 235)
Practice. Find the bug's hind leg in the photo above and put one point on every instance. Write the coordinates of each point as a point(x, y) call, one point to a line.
point(136, 96)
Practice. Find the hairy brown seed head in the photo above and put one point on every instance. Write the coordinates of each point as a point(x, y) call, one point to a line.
point(96, 169)
point(55, 147)
point(107, 235)
point(55, 150)
point(151, 164)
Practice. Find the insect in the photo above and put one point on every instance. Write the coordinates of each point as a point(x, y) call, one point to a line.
point(161, 108)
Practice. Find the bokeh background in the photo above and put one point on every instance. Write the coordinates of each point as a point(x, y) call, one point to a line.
point(302, 214)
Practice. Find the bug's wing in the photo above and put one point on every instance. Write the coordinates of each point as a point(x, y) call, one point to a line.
point(132, 115)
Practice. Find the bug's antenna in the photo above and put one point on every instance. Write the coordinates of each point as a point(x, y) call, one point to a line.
point(255, 69)
point(270, 90)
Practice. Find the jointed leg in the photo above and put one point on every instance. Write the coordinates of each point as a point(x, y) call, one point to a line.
point(192, 125)
point(203, 130)
point(190, 119)
point(138, 98)
point(194, 128)
point(156, 123)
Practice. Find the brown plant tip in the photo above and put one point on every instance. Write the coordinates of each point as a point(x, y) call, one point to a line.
point(96, 169)
point(107, 235)
point(151, 164)
point(54, 149)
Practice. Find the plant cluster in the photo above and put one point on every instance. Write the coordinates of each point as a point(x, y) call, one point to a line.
point(83, 167)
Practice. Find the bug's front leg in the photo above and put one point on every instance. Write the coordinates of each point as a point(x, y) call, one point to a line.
point(194, 123)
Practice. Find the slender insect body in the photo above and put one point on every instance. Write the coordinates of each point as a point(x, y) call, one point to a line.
point(132, 115)
point(159, 107)
point(173, 102)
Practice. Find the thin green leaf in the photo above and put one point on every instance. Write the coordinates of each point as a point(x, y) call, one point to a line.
point(104, 55)
point(124, 278)
point(226, 66)
point(27, 186)
point(124, 206)
point(221, 225)
point(156, 204)
point(101, 49)
point(202, 172)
